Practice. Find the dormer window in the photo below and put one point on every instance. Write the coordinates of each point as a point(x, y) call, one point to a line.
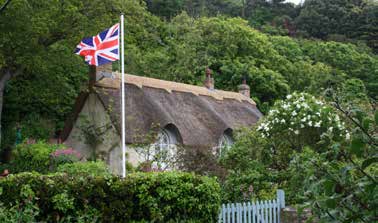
point(165, 139)
point(224, 144)
point(164, 149)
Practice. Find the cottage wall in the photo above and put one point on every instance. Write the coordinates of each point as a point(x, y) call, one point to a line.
point(108, 146)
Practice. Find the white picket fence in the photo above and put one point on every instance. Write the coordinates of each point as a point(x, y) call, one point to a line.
point(253, 212)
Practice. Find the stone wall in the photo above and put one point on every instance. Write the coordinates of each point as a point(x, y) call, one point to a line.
point(290, 215)
point(109, 148)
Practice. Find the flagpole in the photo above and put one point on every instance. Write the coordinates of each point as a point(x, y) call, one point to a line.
point(123, 99)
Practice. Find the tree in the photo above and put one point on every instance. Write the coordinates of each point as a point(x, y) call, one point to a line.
point(340, 20)
point(347, 60)
point(3, 7)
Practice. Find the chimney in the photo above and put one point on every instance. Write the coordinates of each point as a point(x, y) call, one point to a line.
point(209, 81)
point(98, 73)
point(103, 71)
point(244, 89)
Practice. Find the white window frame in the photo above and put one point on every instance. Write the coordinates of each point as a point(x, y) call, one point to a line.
point(165, 146)
point(224, 144)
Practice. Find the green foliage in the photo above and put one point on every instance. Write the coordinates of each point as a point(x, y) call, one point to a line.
point(260, 160)
point(346, 19)
point(23, 210)
point(247, 177)
point(63, 156)
point(31, 157)
point(62, 202)
point(89, 168)
point(152, 197)
point(346, 59)
point(342, 187)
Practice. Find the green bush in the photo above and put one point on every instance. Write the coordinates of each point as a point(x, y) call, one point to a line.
point(31, 157)
point(90, 168)
point(148, 197)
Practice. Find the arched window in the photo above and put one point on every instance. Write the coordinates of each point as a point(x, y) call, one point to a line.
point(164, 150)
point(224, 143)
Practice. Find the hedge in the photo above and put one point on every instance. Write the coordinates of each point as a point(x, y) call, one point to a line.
point(141, 197)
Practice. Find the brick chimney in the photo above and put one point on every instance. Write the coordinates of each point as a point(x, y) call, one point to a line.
point(244, 89)
point(209, 81)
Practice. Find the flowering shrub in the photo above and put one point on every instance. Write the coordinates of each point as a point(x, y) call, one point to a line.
point(62, 156)
point(302, 120)
point(31, 157)
point(261, 156)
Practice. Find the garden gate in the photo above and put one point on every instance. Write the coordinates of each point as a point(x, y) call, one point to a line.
point(253, 212)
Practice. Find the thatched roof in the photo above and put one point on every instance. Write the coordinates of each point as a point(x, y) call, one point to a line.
point(200, 115)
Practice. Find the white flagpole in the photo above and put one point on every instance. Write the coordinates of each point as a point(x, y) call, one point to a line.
point(123, 99)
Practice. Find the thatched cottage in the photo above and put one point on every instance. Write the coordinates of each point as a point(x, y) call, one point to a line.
point(185, 115)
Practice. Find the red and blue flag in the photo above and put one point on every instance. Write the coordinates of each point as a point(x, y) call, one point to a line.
point(100, 49)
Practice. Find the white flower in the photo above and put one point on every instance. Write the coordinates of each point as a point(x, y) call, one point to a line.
point(285, 106)
point(318, 114)
point(289, 96)
point(330, 129)
point(302, 126)
point(319, 102)
point(294, 113)
point(283, 121)
point(310, 123)
point(296, 132)
point(298, 106)
point(304, 119)
point(347, 136)
point(318, 124)
point(291, 123)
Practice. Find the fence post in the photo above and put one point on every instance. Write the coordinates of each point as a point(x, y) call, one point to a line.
point(281, 198)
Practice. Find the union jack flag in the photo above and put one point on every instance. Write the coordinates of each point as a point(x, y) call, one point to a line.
point(100, 49)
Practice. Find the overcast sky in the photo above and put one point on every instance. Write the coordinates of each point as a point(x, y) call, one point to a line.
point(294, 1)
